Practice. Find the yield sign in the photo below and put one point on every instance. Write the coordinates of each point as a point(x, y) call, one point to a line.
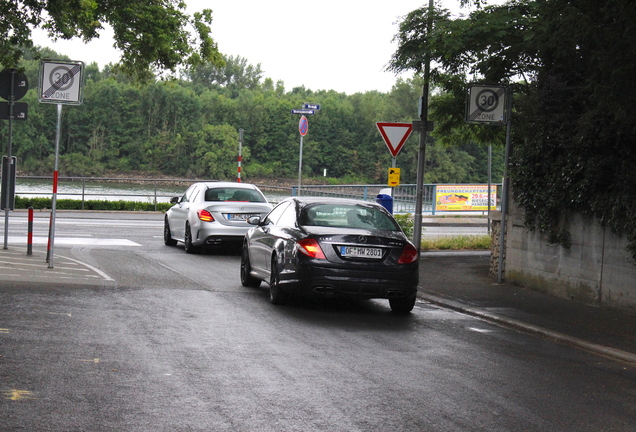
point(395, 135)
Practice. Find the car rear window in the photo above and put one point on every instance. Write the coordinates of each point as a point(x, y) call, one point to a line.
point(234, 194)
point(347, 216)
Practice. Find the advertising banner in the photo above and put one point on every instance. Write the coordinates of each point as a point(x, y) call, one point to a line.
point(464, 197)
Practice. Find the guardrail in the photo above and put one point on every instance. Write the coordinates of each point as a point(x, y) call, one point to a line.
point(404, 196)
point(161, 190)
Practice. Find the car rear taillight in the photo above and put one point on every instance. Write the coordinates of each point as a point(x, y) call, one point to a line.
point(205, 216)
point(311, 248)
point(409, 254)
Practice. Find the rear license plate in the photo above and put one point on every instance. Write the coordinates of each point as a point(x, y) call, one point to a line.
point(360, 252)
point(239, 216)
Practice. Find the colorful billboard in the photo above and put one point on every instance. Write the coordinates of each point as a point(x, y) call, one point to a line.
point(464, 197)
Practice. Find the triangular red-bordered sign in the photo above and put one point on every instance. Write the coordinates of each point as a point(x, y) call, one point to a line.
point(395, 135)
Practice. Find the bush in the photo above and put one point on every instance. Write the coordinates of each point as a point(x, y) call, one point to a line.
point(94, 205)
point(406, 223)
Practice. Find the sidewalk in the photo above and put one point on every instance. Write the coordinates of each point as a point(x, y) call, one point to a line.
point(460, 281)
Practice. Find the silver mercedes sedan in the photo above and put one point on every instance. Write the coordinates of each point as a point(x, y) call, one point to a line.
point(213, 214)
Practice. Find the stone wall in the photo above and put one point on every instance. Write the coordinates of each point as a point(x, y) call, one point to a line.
point(597, 269)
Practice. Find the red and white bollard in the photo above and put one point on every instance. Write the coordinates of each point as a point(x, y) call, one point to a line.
point(30, 232)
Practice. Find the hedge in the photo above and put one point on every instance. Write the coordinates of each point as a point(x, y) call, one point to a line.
point(69, 204)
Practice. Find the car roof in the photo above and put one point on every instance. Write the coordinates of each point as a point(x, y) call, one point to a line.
point(304, 201)
point(222, 184)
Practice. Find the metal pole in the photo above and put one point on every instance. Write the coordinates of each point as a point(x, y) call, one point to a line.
point(419, 188)
point(300, 163)
point(30, 232)
point(55, 177)
point(240, 155)
point(7, 202)
point(489, 182)
point(505, 193)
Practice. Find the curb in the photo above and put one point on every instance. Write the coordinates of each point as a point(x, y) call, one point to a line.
point(612, 353)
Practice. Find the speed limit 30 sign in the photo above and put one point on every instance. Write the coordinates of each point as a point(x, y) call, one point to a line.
point(61, 82)
point(486, 104)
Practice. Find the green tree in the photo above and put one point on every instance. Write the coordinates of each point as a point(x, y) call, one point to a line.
point(153, 35)
point(235, 75)
point(571, 66)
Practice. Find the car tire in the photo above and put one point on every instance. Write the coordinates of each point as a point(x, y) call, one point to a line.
point(247, 280)
point(402, 305)
point(276, 295)
point(167, 234)
point(189, 247)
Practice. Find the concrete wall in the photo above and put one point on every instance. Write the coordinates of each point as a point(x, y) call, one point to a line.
point(597, 269)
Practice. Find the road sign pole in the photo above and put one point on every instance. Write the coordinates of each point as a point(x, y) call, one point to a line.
point(419, 187)
point(7, 203)
point(300, 164)
point(55, 178)
point(303, 128)
point(505, 192)
point(240, 155)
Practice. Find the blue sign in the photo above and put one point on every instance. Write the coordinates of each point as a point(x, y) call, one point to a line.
point(303, 111)
point(303, 126)
point(312, 106)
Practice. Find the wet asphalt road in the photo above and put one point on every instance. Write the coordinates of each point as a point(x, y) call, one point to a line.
point(158, 340)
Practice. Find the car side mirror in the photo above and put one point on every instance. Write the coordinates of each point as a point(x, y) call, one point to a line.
point(174, 200)
point(254, 220)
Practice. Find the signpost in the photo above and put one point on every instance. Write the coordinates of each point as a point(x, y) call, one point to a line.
point(61, 82)
point(486, 104)
point(491, 105)
point(303, 128)
point(394, 135)
point(394, 177)
point(303, 111)
point(240, 155)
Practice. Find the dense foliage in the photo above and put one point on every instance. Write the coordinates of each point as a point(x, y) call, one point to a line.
point(154, 36)
point(189, 128)
point(571, 65)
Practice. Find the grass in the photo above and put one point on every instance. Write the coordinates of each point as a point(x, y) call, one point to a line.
point(460, 242)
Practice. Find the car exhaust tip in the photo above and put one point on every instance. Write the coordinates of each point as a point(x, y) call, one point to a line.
point(324, 290)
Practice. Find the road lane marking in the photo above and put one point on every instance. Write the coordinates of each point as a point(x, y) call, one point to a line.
point(75, 241)
point(96, 270)
point(16, 395)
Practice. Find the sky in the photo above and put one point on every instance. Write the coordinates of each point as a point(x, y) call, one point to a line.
point(342, 45)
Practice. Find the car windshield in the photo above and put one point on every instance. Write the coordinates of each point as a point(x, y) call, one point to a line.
point(234, 194)
point(347, 216)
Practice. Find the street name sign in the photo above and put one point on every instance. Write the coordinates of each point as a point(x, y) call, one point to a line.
point(395, 135)
point(303, 111)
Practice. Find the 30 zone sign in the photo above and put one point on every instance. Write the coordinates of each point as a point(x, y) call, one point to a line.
point(61, 82)
point(486, 104)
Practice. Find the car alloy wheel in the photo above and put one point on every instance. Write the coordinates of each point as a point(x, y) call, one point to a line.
point(276, 296)
point(167, 234)
point(189, 247)
point(247, 280)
